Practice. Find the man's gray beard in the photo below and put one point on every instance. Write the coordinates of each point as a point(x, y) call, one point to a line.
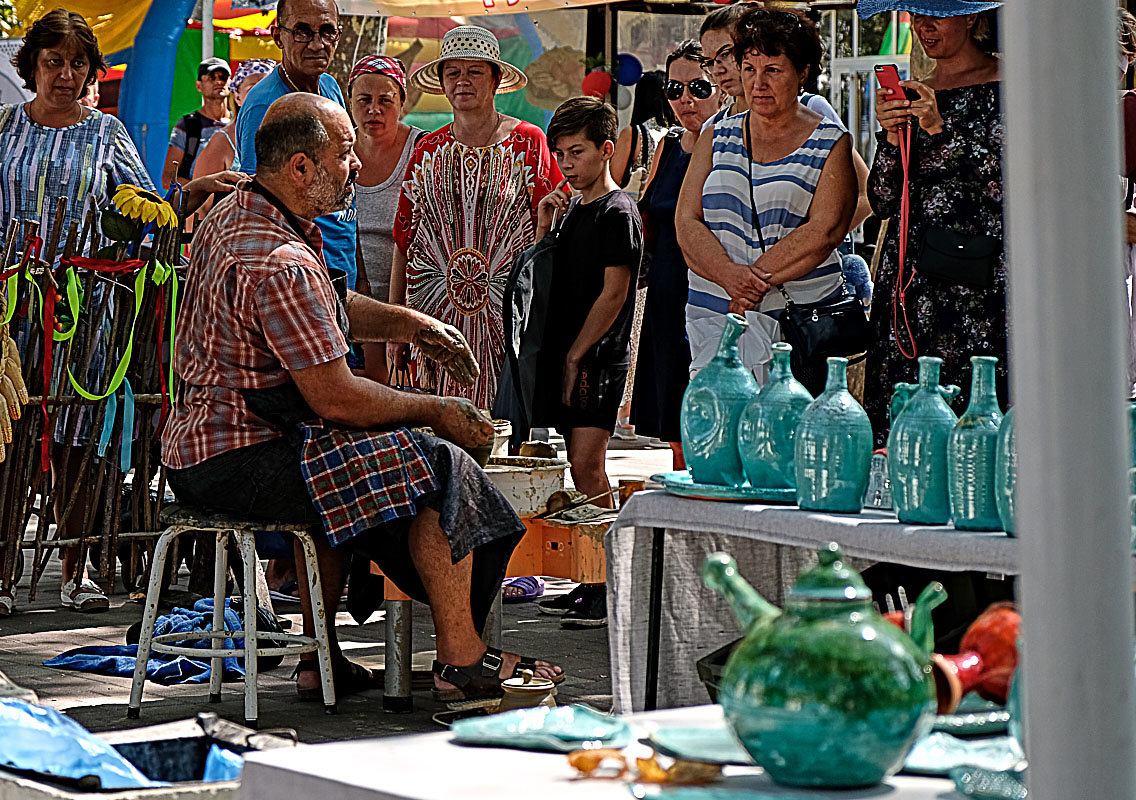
point(328, 198)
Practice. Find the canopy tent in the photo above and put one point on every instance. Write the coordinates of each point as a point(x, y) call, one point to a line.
point(456, 8)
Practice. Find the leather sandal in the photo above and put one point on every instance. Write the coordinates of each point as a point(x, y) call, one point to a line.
point(349, 677)
point(478, 685)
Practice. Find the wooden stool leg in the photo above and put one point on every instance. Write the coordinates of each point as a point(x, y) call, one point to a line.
point(149, 616)
point(220, 575)
point(319, 620)
point(248, 555)
point(397, 697)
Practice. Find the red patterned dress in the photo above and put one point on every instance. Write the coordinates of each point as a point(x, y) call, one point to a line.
point(464, 213)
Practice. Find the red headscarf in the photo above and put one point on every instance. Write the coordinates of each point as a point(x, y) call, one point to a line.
point(379, 65)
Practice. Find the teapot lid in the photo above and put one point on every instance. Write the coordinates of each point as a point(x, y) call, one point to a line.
point(830, 580)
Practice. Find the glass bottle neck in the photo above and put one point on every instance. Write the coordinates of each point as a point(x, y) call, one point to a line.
point(837, 375)
point(929, 372)
point(983, 390)
point(780, 368)
point(728, 345)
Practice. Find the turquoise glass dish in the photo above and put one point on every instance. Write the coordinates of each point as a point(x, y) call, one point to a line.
point(1006, 473)
point(711, 407)
point(680, 485)
point(561, 729)
point(917, 449)
point(971, 453)
point(767, 428)
point(826, 692)
point(833, 448)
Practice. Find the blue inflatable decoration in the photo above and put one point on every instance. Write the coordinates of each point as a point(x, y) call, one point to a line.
point(144, 100)
point(628, 69)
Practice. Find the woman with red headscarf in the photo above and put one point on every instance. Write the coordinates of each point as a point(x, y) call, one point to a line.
point(376, 92)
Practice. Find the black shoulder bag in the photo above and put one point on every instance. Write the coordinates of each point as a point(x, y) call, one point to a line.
point(818, 330)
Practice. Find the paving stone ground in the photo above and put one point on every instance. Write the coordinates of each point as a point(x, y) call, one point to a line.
point(41, 630)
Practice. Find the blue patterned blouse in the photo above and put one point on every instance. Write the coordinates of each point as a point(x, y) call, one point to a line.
point(84, 162)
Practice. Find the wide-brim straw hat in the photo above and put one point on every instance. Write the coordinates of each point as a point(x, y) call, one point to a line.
point(468, 43)
point(928, 8)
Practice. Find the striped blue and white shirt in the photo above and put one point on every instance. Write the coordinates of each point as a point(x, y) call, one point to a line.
point(782, 191)
point(84, 162)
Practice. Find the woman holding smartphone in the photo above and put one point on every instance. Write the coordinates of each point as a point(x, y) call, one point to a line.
point(932, 305)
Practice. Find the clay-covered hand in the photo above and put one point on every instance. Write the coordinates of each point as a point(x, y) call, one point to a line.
point(457, 420)
point(445, 345)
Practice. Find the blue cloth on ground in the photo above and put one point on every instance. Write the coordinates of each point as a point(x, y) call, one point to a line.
point(42, 740)
point(164, 668)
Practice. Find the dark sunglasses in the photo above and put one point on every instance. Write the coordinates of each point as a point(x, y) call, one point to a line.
point(302, 34)
point(700, 89)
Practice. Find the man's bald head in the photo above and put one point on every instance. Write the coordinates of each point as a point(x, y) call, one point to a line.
point(284, 8)
point(305, 156)
point(296, 123)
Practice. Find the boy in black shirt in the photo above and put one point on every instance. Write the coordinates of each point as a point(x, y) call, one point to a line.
point(586, 350)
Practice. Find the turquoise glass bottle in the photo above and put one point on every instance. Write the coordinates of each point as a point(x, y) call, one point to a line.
point(833, 448)
point(917, 451)
point(971, 450)
point(768, 426)
point(1006, 472)
point(713, 402)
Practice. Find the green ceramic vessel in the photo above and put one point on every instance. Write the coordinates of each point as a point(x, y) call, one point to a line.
point(711, 407)
point(971, 451)
point(768, 426)
point(1006, 473)
point(917, 449)
point(826, 693)
point(833, 448)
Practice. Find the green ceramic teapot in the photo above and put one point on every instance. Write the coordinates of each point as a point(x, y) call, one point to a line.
point(826, 692)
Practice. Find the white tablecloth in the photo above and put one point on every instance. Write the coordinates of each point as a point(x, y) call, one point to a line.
point(431, 767)
point(771, 545)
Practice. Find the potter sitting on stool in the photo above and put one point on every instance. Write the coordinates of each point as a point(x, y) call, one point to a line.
point(273, 424)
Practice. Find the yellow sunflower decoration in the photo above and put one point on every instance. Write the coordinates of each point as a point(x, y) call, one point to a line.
point(136, 203)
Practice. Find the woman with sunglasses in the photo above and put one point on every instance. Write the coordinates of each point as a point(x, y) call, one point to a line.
point(663, 364)
point(767, 200)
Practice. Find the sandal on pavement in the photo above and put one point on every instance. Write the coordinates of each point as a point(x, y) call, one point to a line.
point(349, 677)
point(478, 685)
point(85, 596)
point(522, 589)
point(7, 602)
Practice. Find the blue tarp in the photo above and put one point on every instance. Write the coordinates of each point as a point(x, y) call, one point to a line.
point(162, 668)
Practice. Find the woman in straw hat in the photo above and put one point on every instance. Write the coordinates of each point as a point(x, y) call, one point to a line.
point(468, 206)
point(932, 305)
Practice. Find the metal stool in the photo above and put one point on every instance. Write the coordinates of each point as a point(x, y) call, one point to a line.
point(183, 519)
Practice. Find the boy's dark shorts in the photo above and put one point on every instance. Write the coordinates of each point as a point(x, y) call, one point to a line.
point(595, 399)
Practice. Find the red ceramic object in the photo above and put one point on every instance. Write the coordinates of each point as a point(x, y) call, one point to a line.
point(987, 658)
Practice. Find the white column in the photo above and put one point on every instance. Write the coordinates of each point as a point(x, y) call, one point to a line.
point(1068, 340)
point(206, 29)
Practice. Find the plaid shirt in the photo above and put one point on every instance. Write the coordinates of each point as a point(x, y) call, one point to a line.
point(258, 303)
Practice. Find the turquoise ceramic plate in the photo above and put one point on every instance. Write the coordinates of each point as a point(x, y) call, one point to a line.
point(560, 729)
point(939, 753)
point(680, 484)
point(711, 745)
point(974, 717)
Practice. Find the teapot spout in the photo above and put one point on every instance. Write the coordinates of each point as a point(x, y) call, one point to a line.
point(922, 629)
point(720, 572)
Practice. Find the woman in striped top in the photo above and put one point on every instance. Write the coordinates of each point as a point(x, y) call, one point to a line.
point(781, 166)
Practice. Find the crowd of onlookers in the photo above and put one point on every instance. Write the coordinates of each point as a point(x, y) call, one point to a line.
point(736, 188)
